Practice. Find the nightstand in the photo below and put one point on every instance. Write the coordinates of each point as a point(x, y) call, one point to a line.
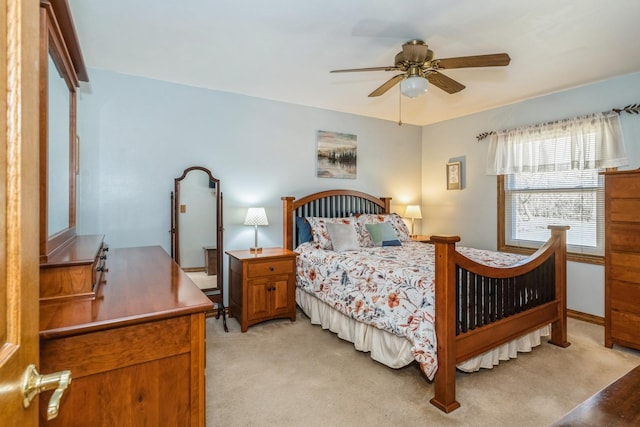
point(421, 239)
point(262, 286)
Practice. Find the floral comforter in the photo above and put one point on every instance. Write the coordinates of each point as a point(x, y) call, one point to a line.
point(391, 288)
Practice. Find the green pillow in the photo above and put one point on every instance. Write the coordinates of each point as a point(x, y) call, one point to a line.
point(381, 232)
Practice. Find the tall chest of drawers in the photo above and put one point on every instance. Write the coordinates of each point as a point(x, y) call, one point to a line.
point(622, 258)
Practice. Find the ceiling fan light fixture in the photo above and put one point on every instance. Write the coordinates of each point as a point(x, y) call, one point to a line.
point(413, 86)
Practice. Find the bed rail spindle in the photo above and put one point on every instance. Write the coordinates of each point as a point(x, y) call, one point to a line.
point(499, 298)
point(459, 292)
point(495, 301)
point(550, 282)
point(536, 298)
point(529, 292)
point(463, 303)
point(487, 306)
point(517, 295)
point(472, 304)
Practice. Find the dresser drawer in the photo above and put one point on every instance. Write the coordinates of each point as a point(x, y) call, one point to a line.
point(102, 351)
point(267, 268)
point(625, 297)
point(624, 236)
point(625, 327)
point(623, 185)
point(624, 209)
point(624, 266)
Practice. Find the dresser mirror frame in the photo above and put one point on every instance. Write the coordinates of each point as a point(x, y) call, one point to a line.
point(58, 46)
point(202, 214)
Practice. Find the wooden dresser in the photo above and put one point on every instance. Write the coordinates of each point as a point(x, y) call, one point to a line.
point(136, 352)
point(622, 258)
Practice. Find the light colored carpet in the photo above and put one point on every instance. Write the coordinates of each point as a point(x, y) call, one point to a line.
point(283, 373)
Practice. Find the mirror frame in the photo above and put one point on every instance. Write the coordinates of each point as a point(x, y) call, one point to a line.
point(175, 230)
point(58, 39)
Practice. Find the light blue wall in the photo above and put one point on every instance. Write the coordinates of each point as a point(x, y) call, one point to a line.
point(138, 134)
point(472, 212)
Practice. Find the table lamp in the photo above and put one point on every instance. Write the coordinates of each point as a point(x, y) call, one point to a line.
point(413, 212)
point(256, 217)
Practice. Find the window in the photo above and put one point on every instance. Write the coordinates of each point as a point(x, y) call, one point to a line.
point(534, 200)
point(549, 175)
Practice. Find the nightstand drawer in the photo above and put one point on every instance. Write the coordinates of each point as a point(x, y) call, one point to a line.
point(267, 268)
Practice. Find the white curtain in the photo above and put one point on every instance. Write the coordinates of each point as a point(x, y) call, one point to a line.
point(589, 142)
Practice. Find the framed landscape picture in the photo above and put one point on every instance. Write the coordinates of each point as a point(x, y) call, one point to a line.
point(337, 155)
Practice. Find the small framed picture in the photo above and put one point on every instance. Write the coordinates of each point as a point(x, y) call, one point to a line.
point(453, 176)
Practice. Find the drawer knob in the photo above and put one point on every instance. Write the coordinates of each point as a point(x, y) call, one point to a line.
point(270, 268)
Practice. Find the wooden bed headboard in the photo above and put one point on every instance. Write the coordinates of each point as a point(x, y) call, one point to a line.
point(328, 204)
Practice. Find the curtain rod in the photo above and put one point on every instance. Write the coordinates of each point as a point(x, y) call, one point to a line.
point(631, 109)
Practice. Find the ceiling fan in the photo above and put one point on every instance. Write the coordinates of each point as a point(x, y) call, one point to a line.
point(418, 66)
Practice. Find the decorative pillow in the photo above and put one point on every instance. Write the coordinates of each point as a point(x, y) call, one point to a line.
point(321, 237)
point(343, 237)
point(401, 227)
point(391, 243)
point(304, 230)
point(396, 220)
point(381, 232)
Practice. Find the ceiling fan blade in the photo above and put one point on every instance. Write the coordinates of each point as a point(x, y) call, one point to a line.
point(492, 60)
point(387, 85)
point(351, 70)
point(415, 51)
point(445, 83)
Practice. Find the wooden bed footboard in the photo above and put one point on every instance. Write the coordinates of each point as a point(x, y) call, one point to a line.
point(477, 307)
point(480, 307)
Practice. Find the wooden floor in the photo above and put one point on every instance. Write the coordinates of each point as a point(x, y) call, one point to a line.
point(616, 405)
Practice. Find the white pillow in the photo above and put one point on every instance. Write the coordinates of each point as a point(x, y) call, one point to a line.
point(343, 237)
point(318, 225)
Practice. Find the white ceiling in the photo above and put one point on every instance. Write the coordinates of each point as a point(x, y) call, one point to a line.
point(284, 49)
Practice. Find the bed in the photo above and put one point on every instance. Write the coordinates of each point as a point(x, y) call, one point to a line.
point(438, 304)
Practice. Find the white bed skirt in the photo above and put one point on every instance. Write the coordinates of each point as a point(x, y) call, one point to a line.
point(395, 351)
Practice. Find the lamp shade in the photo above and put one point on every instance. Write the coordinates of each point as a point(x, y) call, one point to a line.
point(256, 216)
point(413, 86)
point(413, 212)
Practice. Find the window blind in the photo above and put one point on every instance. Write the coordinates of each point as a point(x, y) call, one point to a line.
point(574, 198)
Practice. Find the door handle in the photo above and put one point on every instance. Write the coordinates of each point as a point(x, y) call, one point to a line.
point(34, 384)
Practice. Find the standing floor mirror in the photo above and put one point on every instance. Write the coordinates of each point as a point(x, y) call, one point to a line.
point(196, 232)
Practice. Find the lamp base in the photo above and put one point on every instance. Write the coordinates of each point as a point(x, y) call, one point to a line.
point(255, 250)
